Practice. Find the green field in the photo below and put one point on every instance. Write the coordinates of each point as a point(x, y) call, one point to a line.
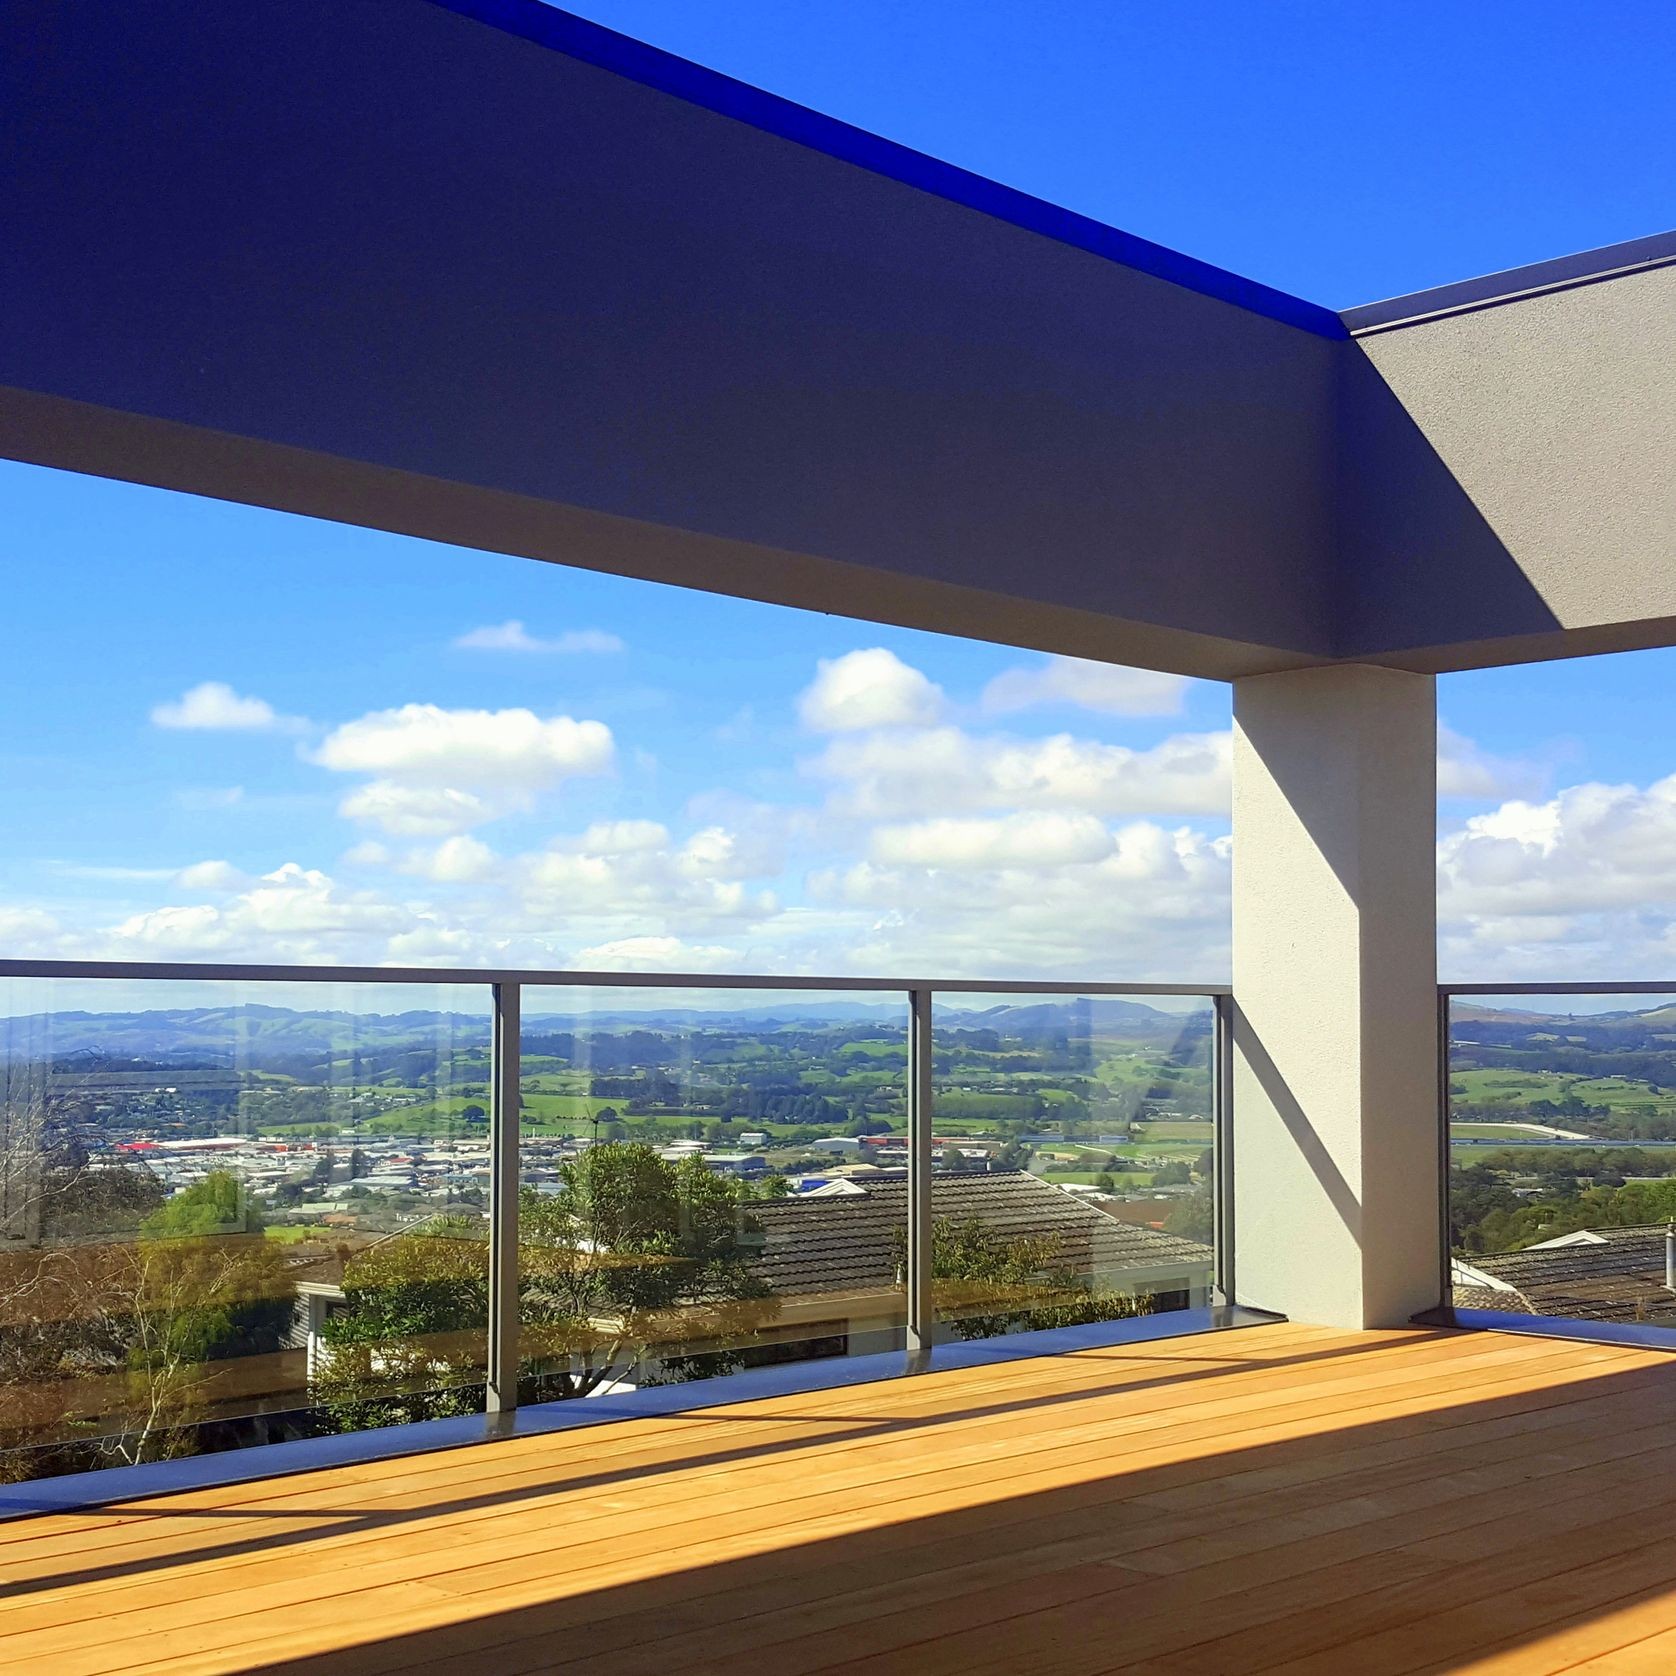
point(1511, 1132)
point(1519, 1088)
point(291, 1233)
point(1186, 1129)
point(1126, 1179)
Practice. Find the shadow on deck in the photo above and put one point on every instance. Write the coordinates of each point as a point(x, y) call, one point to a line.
point(1283, 1498)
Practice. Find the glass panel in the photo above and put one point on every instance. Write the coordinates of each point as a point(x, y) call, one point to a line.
point(1074, 1160)
point(235, 1214)
point(711, 1182)
point(1562, 1150)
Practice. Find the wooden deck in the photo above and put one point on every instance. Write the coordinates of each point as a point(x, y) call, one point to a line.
point(1274, 1499)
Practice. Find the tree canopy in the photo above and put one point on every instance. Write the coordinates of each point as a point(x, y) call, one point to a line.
point(634, 1259)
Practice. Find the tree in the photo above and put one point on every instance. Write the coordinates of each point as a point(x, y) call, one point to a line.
point(1015, 1155)
point(633, 1257)
point(204, 1286)
point(985, 1282)
point(141, 1316)
point(1106, 1182)
point(409, 1343)
point(1194, 1218)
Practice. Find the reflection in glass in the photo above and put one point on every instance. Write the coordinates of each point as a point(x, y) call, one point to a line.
point(235, 1214)
point(1074, 1156)
point(1562, 1153)
point(710, 1183)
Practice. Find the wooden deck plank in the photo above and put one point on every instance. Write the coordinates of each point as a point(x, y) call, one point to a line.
point(654, 1440)
point(1163, 1412)
point(578, 1518)
point(1281, 1498)
point(1160, 1408)
point(1438, 1480)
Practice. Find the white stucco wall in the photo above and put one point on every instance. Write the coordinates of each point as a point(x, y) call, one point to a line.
point(1335, 973)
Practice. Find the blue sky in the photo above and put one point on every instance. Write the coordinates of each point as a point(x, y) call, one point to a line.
point(229, 733)
point(1343, 152)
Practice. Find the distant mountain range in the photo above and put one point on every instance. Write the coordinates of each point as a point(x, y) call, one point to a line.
point(1642, 1018)
point(266, 1031)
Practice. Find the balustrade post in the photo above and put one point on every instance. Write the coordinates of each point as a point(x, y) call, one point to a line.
point(502, 1394)
point(921, 1304)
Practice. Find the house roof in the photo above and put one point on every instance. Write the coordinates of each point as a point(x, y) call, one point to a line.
point(814, 1245)
point(1616, 1274)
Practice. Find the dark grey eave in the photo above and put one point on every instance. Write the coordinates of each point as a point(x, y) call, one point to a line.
point(560, 31)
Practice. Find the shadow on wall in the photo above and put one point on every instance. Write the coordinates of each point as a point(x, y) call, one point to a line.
point(1418, 563)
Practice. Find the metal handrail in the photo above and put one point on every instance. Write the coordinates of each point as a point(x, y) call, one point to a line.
point(1593, 986)
point(147, 971)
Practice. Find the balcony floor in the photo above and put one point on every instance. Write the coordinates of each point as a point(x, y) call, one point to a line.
point(1273, 1499)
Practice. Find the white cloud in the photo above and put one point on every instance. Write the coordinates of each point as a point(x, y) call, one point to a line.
point(291, 914)
point(440, 771)
point(368, 853)
point(654, 954)
point(868, 689)
point(213, 706)
point(932, 771)
point(1113, 689)
point(423, 744)
point(512, 636)
point(457, 860)
point(27, 933)
point(1582, 884)
point(437, 945)
point(211, 875)
point(715, 853)
point(1466, 770)
point(1042, 841)
point(643, 888)
point(198, 930)
point(1591, 848)
point(619, 838)
point(1155, 906)
point(417, 811)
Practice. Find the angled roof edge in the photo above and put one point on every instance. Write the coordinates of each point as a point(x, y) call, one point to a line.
point(592, 43)
point(1586, 267)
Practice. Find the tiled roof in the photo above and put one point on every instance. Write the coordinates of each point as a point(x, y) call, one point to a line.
point(815, 1245)
point(1621, 1278)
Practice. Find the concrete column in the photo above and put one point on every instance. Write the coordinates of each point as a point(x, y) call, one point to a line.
point(1335, 982)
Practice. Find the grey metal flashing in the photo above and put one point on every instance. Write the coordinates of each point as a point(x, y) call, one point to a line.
point(1586, 267)
point(1629, 1334)
point(77, 1491)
